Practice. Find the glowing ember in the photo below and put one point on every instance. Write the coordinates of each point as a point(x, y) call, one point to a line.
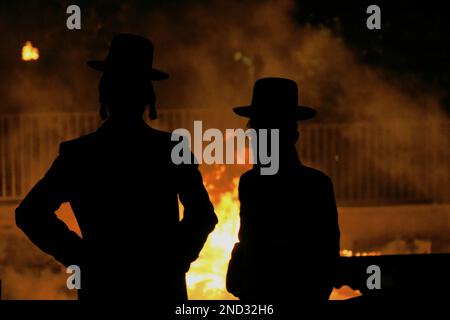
point(206, 277)
point(344, 293)
point(349, 253)
point(29, 52)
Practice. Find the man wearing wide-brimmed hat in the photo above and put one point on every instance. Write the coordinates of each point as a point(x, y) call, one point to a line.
point(289, 233)
point(124, 189)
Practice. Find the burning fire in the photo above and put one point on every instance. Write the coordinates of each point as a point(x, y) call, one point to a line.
point(29, 52)
point(349, 253)
point(207, 275)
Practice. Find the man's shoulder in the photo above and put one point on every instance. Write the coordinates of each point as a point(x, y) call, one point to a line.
point(160, 135)
point(93, 137)
point(80, 143)
point(253, 172)
point(249, 178)
point(303, 170)
point(315, 177)
point(314, 173)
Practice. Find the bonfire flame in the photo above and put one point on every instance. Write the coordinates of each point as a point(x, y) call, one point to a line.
point(207, 275)
point(29, 52)
point(350, 253)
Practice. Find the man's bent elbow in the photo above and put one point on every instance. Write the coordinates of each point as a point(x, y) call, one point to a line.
point(22, 218)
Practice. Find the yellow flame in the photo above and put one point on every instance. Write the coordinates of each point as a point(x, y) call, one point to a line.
point(349, 253)
point(206, 277)
point(29, 52)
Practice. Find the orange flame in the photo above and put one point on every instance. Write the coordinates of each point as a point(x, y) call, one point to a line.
point(207, 275)
point(29, 52)
point(350, 253)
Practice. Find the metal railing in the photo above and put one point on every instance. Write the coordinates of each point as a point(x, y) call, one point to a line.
point(369, 163)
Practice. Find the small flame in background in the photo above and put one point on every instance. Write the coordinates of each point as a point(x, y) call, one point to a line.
point(349, 253)
point(29, 53)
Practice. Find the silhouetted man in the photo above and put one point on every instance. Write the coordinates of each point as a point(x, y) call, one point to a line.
point(123, 188)
point(289, 233)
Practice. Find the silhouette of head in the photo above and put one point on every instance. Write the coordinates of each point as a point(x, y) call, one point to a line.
point(275, 106)
point(126, 95)
point(125, 87)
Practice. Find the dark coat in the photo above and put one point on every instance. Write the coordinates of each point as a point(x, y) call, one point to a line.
point(123, 188)
point(289, 236)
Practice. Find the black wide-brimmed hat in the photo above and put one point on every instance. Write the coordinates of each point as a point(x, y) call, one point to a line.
point(275, 98)
point(129, 53)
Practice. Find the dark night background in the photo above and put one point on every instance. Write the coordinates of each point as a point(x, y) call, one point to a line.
point(413, 41)
point(413, 38)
